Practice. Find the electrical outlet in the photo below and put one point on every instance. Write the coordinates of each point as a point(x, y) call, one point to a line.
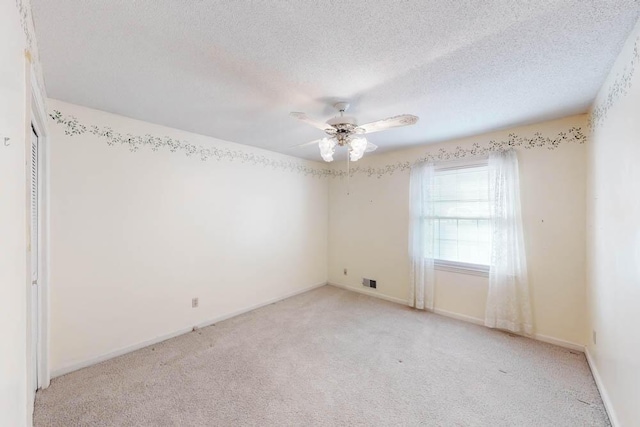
point(595, 341)
point(372, 284)
point(345, 272)
point(194, 302)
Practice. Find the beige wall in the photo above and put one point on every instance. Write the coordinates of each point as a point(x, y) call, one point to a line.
point(13, 215)
point(17, 53)
point(613, 244)
point(369, 229)
point(137, 235)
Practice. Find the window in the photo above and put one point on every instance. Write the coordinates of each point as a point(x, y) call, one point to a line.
point(460, 197)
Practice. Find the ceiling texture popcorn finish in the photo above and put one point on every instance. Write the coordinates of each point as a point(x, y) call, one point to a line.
point(235, 69)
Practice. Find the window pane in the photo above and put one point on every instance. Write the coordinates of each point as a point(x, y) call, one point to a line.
point(468, 230)
point(467, 251)
point(461, 209)
point(484, 229)
point(461, 215)
point(449, 250)
point(448, 229)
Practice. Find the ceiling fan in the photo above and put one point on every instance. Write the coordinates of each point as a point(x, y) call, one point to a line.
point(344, 131)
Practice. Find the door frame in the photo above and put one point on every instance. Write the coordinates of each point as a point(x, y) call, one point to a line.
point(39, 123)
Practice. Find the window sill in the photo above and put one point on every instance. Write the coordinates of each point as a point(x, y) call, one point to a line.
point(462, 267)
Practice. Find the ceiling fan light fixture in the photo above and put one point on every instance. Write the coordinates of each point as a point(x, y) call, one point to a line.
point(327, 148)
point(344, 131)
point(358, 147)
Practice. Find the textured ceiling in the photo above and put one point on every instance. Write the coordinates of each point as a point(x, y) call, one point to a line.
point(235, 69)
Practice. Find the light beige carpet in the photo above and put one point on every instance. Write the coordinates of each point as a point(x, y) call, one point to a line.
point(332, 357)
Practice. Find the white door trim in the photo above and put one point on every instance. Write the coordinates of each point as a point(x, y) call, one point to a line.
point(39, 123)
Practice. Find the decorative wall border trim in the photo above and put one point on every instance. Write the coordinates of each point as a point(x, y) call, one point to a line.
point(618, 89)
point(73, 127)
point(572, 135)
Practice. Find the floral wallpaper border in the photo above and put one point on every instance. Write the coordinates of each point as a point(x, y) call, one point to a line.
point(572, 135)
point(73, 127)
point(618, 89)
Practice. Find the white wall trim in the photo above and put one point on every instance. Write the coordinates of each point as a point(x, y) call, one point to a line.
point(259, 305)
point(459, 316)
point(369, 291)
point(39, 121)
point(95, 360)
point(603, 391)
point(539, 337)
point(561, 343)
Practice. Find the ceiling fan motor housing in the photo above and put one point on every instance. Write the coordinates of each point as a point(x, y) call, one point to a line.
point(342, 128)
point(342, 120)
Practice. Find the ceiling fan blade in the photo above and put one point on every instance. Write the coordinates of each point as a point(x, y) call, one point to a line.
point(370, 147)
point(316, 124)
point(306, 144)
point(391, 122)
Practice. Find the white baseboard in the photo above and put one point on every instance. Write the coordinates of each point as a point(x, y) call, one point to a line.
point(95, 360)
point(370, 292)
point(459, 316)
point(539, 337)
point(561, 343)
point(603, 391)
point(104, 357)
point(465, 318)
point(257, 306)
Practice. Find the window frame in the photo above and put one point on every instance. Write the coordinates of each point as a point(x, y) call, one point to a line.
point(459, 266)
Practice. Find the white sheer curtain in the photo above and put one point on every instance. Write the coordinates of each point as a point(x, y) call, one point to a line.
point(508, 302)
point(421, 236)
